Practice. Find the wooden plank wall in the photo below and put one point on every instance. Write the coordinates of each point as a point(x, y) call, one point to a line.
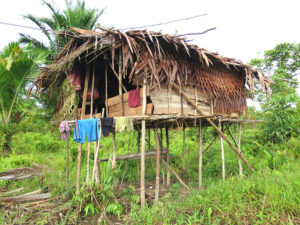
point(165, 103)
point(116, 109)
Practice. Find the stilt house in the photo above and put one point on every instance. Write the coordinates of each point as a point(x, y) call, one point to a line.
point(114, 63)
point(177, 83)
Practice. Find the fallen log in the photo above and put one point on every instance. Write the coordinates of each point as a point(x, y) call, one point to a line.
point(148, 154)
point(21, 173)
point(26, 198)
point(11, 192)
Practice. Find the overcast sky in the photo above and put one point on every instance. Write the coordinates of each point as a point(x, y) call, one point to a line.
point(245, 28)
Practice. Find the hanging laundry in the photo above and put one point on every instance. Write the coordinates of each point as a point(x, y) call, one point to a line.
point(75, 80)
point(89, 94)
point(107, 125)
point(64, 130)
point(89, 128)
point(123, 123)
point(134, 98)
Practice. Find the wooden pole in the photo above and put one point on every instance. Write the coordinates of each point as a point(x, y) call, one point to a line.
point(143, 144)
point(120, 82)
point(86, 82)
point(106, 91)
point(200, 155)
point(222, 151)
point(91, 116)
point(175, 174)
point(239, 144)
point(214, 126)
point(138, 150)
point(161, 167)
point(67, 163)
point(168, 156)
point(183, 143)
point(113, 163)
point(205, 150)
point(96, 167)
point(157, 164)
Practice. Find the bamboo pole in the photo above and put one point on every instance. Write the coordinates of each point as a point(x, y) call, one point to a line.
point(96, 167)
point(91, 116)
point(168, 156)
point(113, 163)
point(157, 164)
point(214, 126)
point(86, 82)
point(106, 91)
point(120, 82)
point(67, 163)
point(205, 150)
point(138, 150)
point(183, 143)
point(239, 144)
point(222, 151)
point(143, 144)
point(175, 174)
point(161, 167)
point(200, 155)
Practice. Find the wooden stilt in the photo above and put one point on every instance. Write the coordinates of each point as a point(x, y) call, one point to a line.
point(183, 143)
point(113, 163)
point(138, 150)
point(213, 125)
point(200, 155)
point(168, 156)
point(205, 150)
point(239, 144)
point(67, 163)
point(91, 116)
point(86, 82)
point(106, 91)
point(96, 167)
point(157, 164)
point(161, 166)
point(143, 143)
point(222, 151)
point(175, 174)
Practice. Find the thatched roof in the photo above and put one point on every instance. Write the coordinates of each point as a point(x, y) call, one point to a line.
point(164, 58)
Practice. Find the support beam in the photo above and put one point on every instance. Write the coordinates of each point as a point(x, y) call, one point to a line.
point(113, 162)
point(175, 174)
point(222, 151)
point(213, 125)
point(157, 165)
point(168, 155)
point(138, 151)
point(205, 150)
point(239, 147)
point(67, 164)
point(183, 143)
point(86, 82)
point(200, 155)
point(91, 116)
point(143, 143)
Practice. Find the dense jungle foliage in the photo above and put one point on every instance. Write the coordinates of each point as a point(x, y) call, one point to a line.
point(270, 195)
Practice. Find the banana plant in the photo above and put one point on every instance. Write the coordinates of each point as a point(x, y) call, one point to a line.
point(17, 68)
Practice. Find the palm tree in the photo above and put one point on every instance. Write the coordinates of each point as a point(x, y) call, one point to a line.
point(73, 16)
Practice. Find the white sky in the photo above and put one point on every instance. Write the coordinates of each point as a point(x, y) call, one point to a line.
point(245, 28)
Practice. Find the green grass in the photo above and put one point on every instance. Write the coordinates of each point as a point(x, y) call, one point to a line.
point(269, 195)
point(265, 197)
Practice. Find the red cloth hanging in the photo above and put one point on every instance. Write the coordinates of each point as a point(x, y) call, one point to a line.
point(75, 80)
point(134, 98)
